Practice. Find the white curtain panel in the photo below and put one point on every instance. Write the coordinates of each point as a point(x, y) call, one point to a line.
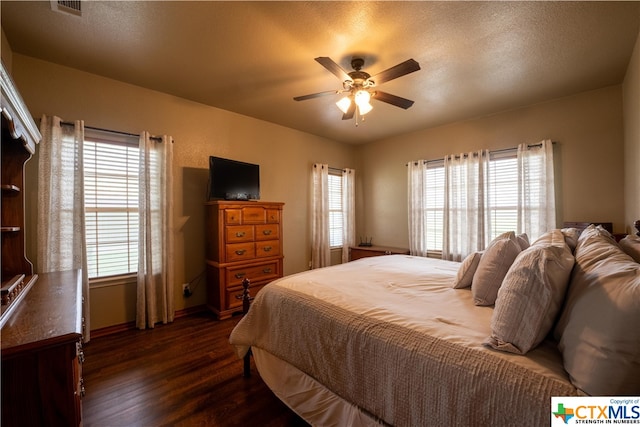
point(348, 212)
point(155, 289)
point(536, 189)
point(464, 224)
point(416, 193)
point(60, 213)
point(320, 248)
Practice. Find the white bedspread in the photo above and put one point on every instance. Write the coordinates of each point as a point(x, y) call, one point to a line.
point(391, 336)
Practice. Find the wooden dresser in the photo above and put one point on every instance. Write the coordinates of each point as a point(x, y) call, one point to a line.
point(244, 240)
point(357, 252)
point(42, 355)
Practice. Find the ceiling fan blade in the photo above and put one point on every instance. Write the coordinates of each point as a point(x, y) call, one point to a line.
point(402, 69)
point(315, 95)
point(392, 99)
point(350, 112)
point(330, 65)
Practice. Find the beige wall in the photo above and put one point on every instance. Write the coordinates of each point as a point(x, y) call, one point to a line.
point(285, 157)
point(587, 129)
point(6, 52)
point(631, 103)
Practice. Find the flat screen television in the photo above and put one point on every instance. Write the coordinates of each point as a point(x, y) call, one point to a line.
point(233, 180)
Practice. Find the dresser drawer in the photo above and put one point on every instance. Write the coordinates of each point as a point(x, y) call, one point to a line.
point(232, 216)
point(255, 273)
point(267, 232)
point(234, 296)
point(253, 215)
point(268, 248)
point(240, 251)
point(239, 233)
point(273, 216)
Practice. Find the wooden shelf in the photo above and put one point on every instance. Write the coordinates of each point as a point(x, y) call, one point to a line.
point(19, 138)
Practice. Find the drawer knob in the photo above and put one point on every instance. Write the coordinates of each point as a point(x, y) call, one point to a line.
point(240, 234)
point(80, 351)
point(267, 270)
point(240, 275)
point(241, 251)
point(267, 248)
point(266, 232)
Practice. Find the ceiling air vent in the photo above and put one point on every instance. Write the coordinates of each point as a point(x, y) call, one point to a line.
point(68, 7)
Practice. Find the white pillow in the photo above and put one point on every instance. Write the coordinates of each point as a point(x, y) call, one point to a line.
point(531, 295)
point(523, 241)
point(493, 266)
point(571, 237)
point(631, 246)
point(598, 331)
point(467, 270)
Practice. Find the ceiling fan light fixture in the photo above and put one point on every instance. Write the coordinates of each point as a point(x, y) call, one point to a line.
point(344, 104)
point(364, 108)
point(362, 98)
point(360, 85)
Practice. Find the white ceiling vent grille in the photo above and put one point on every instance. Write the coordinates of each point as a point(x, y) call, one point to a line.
point(68, 7)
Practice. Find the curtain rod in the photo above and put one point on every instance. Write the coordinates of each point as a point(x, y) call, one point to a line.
point(502, 150)
point(329, 168)
point(155, 138)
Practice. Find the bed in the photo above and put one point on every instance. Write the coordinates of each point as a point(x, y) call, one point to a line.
point(395, 340)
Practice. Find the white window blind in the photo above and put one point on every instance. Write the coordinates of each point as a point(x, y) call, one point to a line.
point(503, 194)
point(111, 203)
point(502, 187)
point(335, 210)
point(434, 209)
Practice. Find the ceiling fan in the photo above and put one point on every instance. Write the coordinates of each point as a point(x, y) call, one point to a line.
point(359, 86)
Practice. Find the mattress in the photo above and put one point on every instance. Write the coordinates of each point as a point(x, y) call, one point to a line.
point(390, 336)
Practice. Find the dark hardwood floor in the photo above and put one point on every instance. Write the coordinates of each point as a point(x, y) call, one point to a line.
point(180, 374)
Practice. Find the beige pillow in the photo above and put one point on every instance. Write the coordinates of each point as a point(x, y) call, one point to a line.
point(492, 268)
point(598, 331)
point(571, 237)
point(631, 246)
point(523, 241)
point(545, 238)
point(531, 296)
point(467, 270)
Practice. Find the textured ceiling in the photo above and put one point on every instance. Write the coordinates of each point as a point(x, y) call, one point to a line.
point(477, 58)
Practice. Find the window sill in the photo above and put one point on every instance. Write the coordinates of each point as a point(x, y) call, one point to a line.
point(104, 282)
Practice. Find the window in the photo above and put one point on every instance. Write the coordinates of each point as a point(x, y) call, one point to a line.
point(111, 172)
point(502, 187)
point(503, 195)
point(336, 223)
point(434, 209)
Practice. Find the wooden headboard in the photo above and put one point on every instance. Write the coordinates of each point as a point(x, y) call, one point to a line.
point(606, 225)
point(582, 225)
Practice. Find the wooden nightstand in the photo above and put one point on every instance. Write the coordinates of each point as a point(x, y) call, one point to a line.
point(357, 252)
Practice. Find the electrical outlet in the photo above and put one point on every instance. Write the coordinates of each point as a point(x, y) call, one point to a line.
point(186, 290)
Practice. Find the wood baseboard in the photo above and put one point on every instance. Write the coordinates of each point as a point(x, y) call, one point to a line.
point(190, 310)
point(114, 329)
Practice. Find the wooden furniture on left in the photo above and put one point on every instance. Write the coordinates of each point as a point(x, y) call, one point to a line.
point(19, 138)
point(42, 355)
point(243, 241)
point(357, 252)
